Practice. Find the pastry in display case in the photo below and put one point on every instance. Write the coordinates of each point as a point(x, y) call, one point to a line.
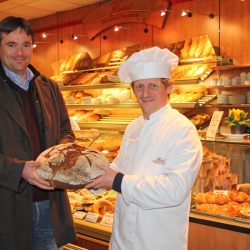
point(218, 190)
point(87, 201)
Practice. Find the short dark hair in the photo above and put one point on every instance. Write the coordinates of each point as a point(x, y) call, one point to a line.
point(12, 23)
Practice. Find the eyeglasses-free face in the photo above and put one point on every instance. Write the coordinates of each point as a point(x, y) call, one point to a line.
point(152, 94)
point(16, 51)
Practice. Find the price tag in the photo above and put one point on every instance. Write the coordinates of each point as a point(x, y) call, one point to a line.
point(214, 125)
point(107, 220)
point(79, 215)
point(92, 217)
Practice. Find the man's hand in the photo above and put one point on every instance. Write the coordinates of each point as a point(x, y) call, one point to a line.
point(104, 181)
point(31, 176)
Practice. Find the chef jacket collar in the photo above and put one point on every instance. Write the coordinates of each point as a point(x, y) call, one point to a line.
point(158, 115)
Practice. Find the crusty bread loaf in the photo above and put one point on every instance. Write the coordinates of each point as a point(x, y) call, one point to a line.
point(201, 46)
point(83, 78)
point(82, 61)
point(102, 60)
point(70, 165)
point(185, 49)
point(193, 47)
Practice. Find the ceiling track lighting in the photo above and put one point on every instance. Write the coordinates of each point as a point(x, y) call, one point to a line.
point(44, 35)
point(75, 37)
point(163, 12)
point(117, 28)
point(34, 45)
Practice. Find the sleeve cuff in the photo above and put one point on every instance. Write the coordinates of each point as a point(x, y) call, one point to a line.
point(117, 184)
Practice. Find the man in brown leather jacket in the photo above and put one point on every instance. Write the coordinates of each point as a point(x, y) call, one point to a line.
point(33, 117)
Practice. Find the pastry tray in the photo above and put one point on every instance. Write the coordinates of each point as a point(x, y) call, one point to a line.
point(221, 216)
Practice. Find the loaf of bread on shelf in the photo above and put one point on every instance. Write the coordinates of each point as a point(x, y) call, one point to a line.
point(70, 165)
point(208, 49)
point(110, 78)
point(67, 78)
point(201, 46)
point(76, 62)
point(185, 49)
point(193, 47)
point(102, 60)
point(68, 66)
point(90, 116)
point(118, 54)
point(83, 78)
point(82, 61)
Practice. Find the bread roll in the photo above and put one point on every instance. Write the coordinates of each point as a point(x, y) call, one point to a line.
point(70, 165)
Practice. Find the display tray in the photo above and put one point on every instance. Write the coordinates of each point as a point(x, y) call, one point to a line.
point(203, 101)
point(235, 218)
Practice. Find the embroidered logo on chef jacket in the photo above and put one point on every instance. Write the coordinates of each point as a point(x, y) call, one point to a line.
point(159, 160)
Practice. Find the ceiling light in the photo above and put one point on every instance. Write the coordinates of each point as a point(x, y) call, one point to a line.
point(183, 13)
point(74, 37)
point(117, 28)
point(44, 35)
point(163, 12)
point(34, 45)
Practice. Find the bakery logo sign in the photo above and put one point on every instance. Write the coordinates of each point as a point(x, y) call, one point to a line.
point(160, 161)
point(115, 12)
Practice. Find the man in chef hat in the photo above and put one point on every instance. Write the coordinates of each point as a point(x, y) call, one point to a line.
point(158, 162)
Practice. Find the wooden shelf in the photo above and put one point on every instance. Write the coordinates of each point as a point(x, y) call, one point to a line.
point(95, 86)
point(104, 106)
point(216, 105)
point(236, 86)
point(230, 67)
point(92, 69)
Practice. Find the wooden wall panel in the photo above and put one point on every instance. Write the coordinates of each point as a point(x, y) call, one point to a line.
point(234, 38)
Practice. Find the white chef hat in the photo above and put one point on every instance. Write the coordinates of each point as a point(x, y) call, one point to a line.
point(149, 63)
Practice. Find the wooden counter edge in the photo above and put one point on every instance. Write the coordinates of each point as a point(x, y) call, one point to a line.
point(93, 230)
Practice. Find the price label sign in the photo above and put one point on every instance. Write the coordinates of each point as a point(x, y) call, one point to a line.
point(92, 217)
point(107, 220)
point(214, 125)
point(79, 215)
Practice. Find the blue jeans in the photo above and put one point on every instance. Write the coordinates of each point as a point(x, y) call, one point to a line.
point(42, 231)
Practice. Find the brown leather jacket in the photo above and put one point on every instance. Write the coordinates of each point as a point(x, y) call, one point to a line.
point(15, 149)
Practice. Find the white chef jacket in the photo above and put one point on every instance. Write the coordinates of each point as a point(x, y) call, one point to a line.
point(160, 158)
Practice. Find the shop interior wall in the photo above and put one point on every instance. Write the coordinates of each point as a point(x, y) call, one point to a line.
point(233, 38)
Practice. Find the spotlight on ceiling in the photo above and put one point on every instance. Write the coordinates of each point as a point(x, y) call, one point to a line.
point(163, 12)
point(117, 28)
point(74, 37)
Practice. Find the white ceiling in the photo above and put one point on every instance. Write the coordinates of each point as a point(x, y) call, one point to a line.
point(31, 9)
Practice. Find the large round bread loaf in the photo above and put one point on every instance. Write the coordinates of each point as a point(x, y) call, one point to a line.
point(70, 165)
